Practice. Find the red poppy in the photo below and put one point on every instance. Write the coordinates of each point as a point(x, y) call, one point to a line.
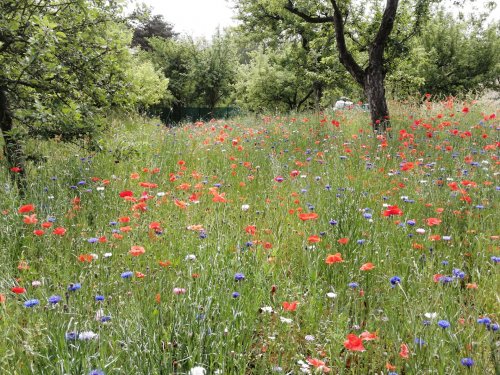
point(38, 232)
point(367, 267)
point(155, 226)
point(2, 298)
point(149, 185)
point(18, 290)
point(251, 229)
point(407, 166)
point(290, 306)
point(314, 239)
point(135, 251)
point(59, 231)
point(343, 241)
point(334, 258)
point(367, 336)
point(308, 216)
point(26, 208)
point(354, 343)
point(393, 210)
point(404, 352)
point(318, 364)
point(126, 193)
point(433, 221)
point(31, 219)
point(165, 264)
point(85, 258)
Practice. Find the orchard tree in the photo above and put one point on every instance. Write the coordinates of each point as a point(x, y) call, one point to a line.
point(216, 66)
point(61, 69)
point(146, 25)
point(368, 35)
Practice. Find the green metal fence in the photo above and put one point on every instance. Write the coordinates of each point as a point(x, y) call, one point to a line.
point(188, 114)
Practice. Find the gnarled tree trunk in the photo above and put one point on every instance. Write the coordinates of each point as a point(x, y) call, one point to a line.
point(375, 93)
point(12, 149)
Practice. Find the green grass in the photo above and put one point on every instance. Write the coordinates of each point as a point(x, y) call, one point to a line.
point(344, 173)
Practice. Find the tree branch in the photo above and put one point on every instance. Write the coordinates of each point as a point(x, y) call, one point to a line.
point(385, 29)
point(306, 17)
point(345, 56)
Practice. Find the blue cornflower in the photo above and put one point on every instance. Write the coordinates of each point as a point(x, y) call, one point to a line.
point(494, 327)
point(71, 336)
point(239, 277)
point(367, 215)
point(360, 242)
point(445, 279)
point(92, 240)
point(249, 244)
point(395, 280)
point(468, 362)
point(458, 273)
point(31, 303)
point(419, 341)
point(411, 222)
point(495, 259)
point(444, 324)
point(353, 285)
point(235, 295)
point(485, 321)
point(51, 219)
point(99, 298)
point(96, 372)
point(333, 222)
point(74, 287)
point(126, 275)
point(54, 299)
point(105, 319)
point(203, 235)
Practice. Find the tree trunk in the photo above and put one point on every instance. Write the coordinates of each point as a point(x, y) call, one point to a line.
point(318, 94)
point(12, 149)
point(375, 93)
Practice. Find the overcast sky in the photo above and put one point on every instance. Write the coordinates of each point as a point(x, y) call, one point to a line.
point(200, 18)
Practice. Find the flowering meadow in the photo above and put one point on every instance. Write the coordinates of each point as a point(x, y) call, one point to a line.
point(259, 245)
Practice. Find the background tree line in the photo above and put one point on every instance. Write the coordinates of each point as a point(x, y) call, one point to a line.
point(68, 64)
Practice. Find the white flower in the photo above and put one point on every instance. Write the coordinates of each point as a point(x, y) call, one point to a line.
point(36, 283)
point(191, 257)
point(331, 295)
point(87, 335)
point(245, 207)
point(160, 194)
point(99, 314)
point(446, 238)
point(198, 370)
point(100, 188)
point(309, 338)
point(420, 231)
point(285, 320)
point(431, 315)
point(267, 309)
point(107, 255)
point(94, 256)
